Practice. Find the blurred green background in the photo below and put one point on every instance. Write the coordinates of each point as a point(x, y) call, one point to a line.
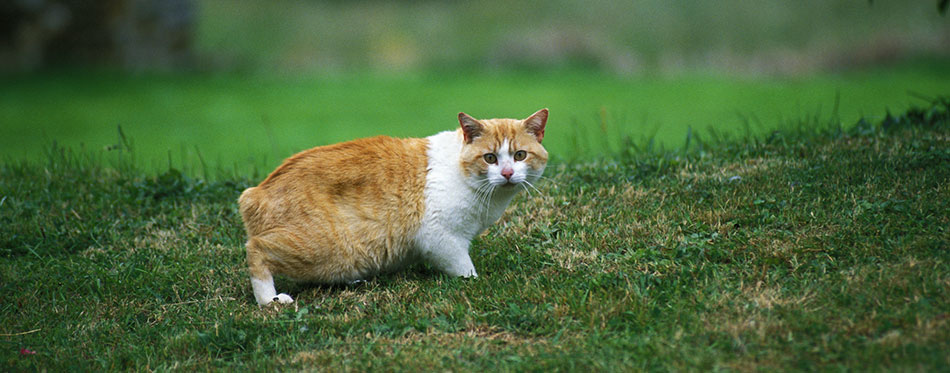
point(242, 84)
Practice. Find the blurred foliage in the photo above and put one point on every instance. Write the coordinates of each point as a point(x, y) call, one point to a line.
point(941, 5)
point(621, 37)
point(127, 34)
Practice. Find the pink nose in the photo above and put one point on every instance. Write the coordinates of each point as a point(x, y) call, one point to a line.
point(507, 172)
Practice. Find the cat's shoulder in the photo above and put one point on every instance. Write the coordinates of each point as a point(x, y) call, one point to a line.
point(445, 141)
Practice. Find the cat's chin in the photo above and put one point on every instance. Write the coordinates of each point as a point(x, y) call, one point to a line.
point(504, 185)
point(496, 183)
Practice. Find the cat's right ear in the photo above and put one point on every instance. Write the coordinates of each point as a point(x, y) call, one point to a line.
point(471, 128)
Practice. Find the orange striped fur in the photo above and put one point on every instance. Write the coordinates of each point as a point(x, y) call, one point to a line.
point(336, 213)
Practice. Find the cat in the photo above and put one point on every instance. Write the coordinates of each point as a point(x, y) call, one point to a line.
point(345, 212)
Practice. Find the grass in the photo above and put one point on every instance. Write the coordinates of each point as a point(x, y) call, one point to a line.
point(207, 125)
point(817, 249)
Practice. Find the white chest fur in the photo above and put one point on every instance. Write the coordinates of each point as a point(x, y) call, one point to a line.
point(454, 211)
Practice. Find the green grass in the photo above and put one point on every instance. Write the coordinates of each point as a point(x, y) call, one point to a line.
point(817, 249)
point(245, 125)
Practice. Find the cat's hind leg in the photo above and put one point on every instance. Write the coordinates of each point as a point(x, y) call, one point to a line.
point(265, 292)
point(262, 281)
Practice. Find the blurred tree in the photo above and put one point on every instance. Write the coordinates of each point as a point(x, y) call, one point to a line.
point(130, 34)
point(942, 5)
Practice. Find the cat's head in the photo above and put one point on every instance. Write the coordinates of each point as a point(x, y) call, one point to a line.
point(503, 152)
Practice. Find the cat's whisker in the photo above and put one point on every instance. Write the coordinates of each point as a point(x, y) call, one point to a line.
point(487, 188)
point(533, 187)
point(483, 195)
point(539, 176)
point(480, 190)
point(479, 196)
point(491, 194)
point(488, 195)
point(526, 190)
point(485, 200)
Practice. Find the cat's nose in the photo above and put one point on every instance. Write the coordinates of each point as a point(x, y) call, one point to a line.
point(507, 172)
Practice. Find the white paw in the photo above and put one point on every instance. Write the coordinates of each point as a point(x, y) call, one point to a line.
point(283, 298)
point(470, 274)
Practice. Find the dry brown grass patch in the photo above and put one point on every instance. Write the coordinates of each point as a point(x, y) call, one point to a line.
point(750, 311)
point(480, 339)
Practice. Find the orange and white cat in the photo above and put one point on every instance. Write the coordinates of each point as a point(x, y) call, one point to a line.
point(341, 213)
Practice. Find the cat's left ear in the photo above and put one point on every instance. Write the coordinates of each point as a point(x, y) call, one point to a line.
point(535, 123)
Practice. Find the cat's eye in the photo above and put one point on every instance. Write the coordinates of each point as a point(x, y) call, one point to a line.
point(490, 158)
point(521, 155)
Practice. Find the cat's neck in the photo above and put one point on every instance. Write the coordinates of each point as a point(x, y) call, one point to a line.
point(445, 149)
point(448, 186)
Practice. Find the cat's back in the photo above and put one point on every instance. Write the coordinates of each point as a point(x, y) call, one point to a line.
point(372, 176)
point(380, 157)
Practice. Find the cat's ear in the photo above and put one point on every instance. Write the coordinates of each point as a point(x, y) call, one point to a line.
point(535, 123)
point(471, 128)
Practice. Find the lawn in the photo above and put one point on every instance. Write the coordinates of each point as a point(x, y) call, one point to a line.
point(208, 125)
point(819, 249)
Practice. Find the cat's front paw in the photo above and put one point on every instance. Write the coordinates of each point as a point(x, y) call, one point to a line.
point(283, 298)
